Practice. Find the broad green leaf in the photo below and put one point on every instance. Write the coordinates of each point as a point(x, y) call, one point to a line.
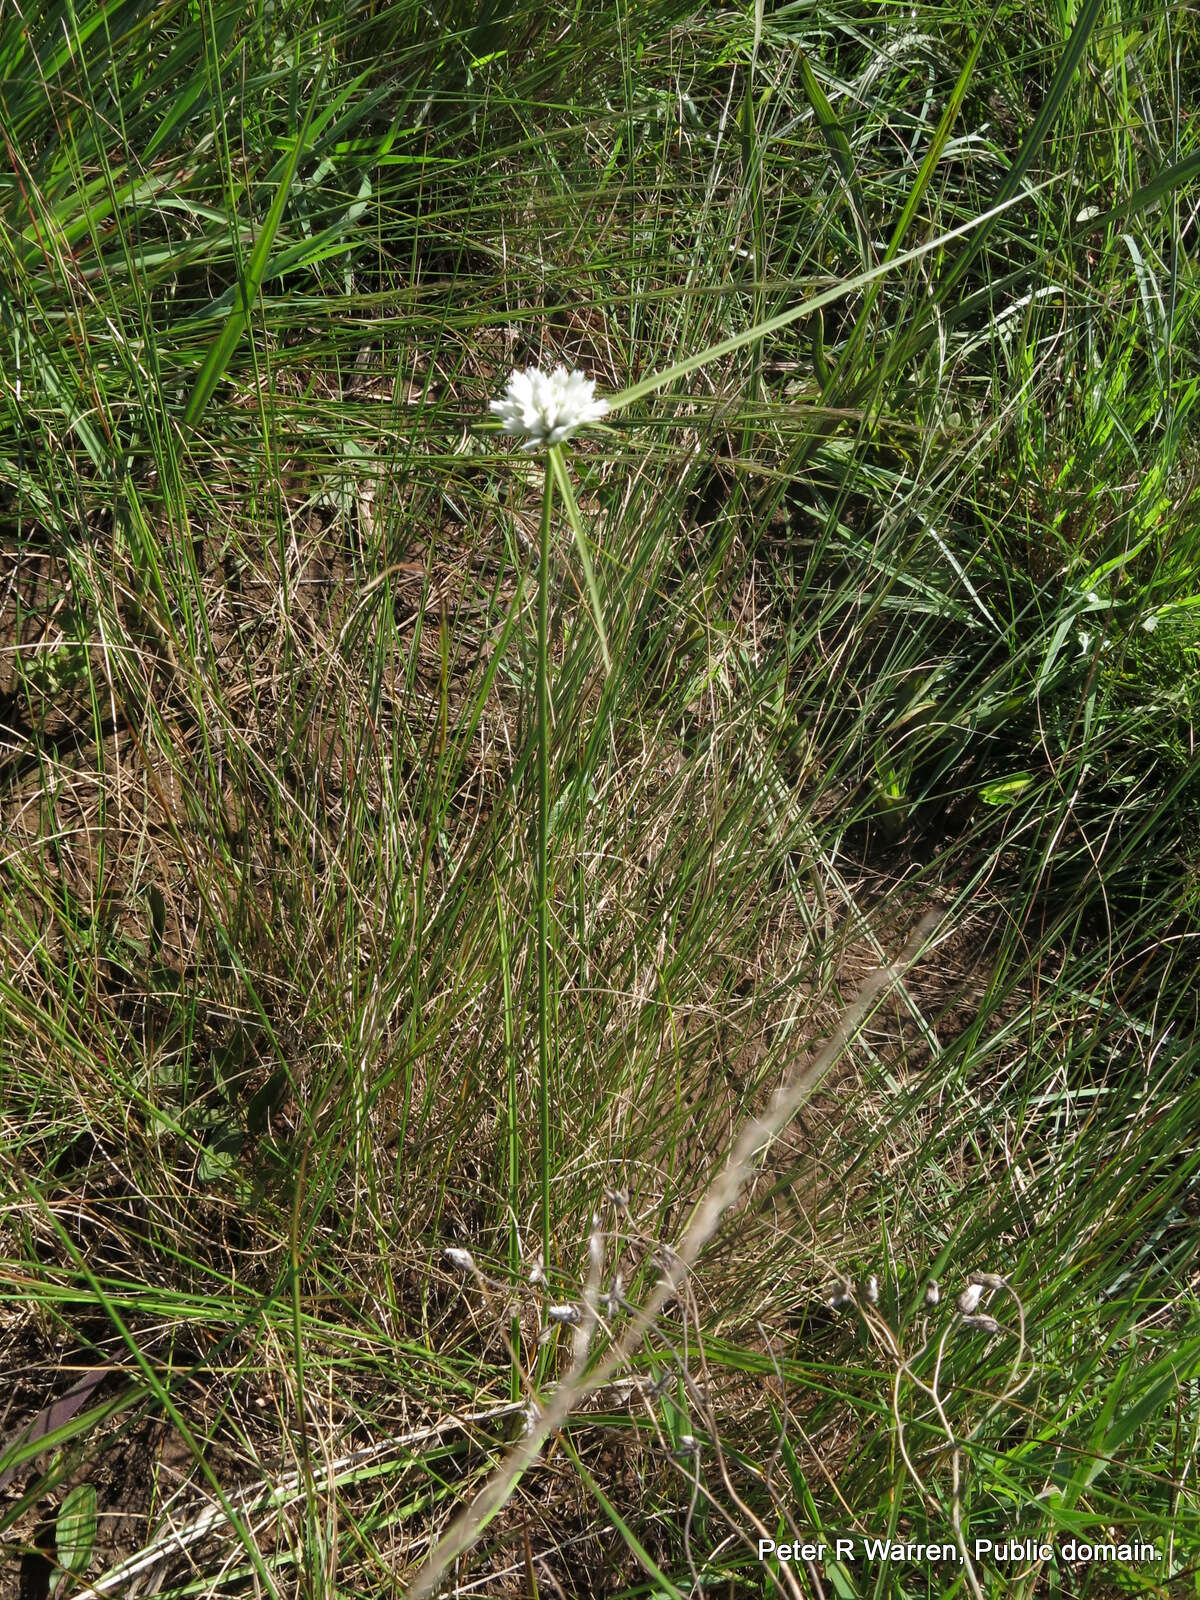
point(839, 147)
point(158, 916)
point(1006, 790)
point(75, 1528)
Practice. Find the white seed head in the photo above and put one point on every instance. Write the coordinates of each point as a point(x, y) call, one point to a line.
point(870, 1290)
point(610, 1303)
point(842, 1295)
point(547, 407)
point(968, 1300)
point(462, 1259)
point(933, 1292)
point(569, 1314)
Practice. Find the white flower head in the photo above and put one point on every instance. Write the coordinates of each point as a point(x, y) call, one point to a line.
point(548, 407)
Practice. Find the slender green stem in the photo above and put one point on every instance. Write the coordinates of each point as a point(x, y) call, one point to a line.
point(543, 838)
point(513, 1152)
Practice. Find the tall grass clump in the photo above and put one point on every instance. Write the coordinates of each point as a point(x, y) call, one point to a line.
point(570, 1018)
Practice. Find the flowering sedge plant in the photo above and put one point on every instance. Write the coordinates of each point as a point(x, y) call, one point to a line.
point(548, 407)
point(544, 410)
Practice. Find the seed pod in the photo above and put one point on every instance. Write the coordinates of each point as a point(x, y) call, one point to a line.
point(989, 1280)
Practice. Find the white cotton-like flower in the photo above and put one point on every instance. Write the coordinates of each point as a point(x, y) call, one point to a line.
point(842, 1295)
point(968, 1300)
point(569, 1314)
point(548, 407)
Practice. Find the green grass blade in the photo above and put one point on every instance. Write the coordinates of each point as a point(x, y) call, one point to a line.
point(221, 350)
point(567, 489)
point(1056, 95)
point(839, 148)
point(761, 330)
point(645, 1559)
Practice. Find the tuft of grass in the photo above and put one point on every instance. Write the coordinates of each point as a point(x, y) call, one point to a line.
point(446, 900)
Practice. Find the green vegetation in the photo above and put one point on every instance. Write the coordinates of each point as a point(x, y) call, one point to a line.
point(354, 908)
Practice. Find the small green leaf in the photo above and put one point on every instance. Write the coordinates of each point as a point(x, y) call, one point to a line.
point(836, 1572)
point(1007, 790)
point(158, 917)
point(55, 669)
point(563, 480)
point(75, 1528)
point(266, 1100)
point(219, 1155)
point(675, 1416)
